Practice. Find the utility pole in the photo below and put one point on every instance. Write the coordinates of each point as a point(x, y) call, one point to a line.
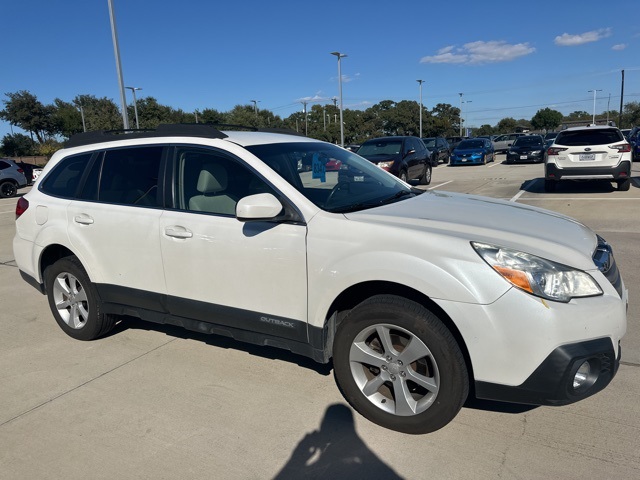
point(621, 100)
point(255, 106)
point(420, 82)
point(304, 111)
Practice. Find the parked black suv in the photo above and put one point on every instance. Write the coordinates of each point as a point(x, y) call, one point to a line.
point(406, 157)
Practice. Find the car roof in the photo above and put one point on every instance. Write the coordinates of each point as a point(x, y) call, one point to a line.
point(589, 127)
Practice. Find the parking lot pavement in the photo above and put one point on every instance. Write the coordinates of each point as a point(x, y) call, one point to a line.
point(156, 402)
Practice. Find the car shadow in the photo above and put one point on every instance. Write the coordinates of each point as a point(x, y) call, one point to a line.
point(220, 341)
point(495, 406)
point(568, 187)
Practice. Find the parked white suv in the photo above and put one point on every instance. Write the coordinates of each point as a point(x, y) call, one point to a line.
point(588, 153)
point(417, 297)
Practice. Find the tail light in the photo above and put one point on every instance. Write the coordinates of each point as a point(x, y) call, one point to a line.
point(21, 206)
point(21, 171)
point(622, 148)
point(555, 150)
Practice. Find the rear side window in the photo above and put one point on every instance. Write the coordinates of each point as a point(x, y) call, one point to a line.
point(128, 176)
point(589, 137)
point(4, 165)
point(65, 177)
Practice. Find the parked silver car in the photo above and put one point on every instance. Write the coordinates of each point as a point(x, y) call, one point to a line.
point(11, 178)
point(502, 143)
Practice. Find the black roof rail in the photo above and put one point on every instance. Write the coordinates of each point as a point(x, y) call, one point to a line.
point(202, 130)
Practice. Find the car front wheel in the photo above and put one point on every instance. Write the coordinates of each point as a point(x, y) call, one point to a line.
point(74, 301)
point(426, 177)
point(399, 366)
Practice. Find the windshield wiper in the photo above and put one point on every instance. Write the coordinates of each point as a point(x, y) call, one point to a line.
point(397, 196)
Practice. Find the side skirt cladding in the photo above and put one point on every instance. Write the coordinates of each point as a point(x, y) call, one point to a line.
point(243, 325)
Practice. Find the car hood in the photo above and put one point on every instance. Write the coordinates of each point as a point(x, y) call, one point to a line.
point(468, 151)
point(526, 148)
point(474, 218)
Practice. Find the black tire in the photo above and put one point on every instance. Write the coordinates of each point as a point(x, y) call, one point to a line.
point(624, 185)
point(432, 382)
point(74, 301)
point(426, 176)
point(8, 189)
point(550, 186)
point(403, 176)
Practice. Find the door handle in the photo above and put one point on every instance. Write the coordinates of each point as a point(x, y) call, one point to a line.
point(176, 231)
point(83, 219)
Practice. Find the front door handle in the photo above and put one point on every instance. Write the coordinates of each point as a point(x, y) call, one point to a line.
point(176, 231)
point(83, 219)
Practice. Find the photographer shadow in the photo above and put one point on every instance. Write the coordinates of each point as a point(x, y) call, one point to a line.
point(335, 451)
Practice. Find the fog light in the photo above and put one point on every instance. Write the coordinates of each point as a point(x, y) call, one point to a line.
point(583, 376)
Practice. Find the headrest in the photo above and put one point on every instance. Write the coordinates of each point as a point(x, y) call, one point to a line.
point(212, 179)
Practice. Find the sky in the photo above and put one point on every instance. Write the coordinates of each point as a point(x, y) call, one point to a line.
point(507, 58)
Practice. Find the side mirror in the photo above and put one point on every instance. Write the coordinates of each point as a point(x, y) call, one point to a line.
point(262, 206)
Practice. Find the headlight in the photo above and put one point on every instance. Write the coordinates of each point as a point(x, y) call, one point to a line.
point(385, 164)
point(535, 275)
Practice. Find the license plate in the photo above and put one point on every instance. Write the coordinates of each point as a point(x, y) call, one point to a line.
point(464, 160)
point(523, 157)
point(586, 156)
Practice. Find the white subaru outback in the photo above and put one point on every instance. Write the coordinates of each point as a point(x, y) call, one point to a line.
point(418, 298)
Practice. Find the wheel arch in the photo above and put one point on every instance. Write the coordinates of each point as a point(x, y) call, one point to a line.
point(50, 255)
point(356, 294)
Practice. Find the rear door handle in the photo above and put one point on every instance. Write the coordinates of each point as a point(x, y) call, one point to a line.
point(176, 231)
point(83, 219)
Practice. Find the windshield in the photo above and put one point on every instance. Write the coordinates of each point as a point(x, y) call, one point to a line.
point(470, 144)
point(380, 147)
point(528, 140)
point(429, 142)
point(334, 179)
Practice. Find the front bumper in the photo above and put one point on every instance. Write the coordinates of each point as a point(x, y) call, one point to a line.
point(471, 160)
point(524, 157)
point(552, 382)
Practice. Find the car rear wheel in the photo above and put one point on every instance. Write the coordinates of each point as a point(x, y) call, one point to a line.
point(624, 185)
point(8, 189)
point(74, 301)
point(399, 366)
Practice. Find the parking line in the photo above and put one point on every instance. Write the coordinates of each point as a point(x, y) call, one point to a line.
point(493, 165)
point(441, 185)
point(524, 189)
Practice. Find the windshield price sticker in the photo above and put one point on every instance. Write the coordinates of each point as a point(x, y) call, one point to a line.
point(318, 168)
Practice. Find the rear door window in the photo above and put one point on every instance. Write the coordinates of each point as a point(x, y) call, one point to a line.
point(64, 179)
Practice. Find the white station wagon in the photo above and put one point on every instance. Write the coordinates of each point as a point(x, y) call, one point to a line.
point(417, 297)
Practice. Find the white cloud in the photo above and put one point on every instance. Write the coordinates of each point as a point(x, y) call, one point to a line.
point(620, 46)
point(567, 40)
point(480, 52)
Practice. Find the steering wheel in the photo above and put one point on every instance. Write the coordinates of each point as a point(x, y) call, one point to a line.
point(338, 186)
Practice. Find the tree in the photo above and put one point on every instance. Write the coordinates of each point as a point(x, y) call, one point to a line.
point(99, 113)
point(24, 110)
point(631, 114)
point(66, 118)
point(578, 115)
point(17, 145)
point(484, 130)
point(546, 119)
point(507, 125)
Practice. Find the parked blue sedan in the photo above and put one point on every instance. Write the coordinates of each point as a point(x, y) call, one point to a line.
point(472, 151)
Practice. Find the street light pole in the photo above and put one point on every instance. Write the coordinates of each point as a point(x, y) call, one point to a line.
point(466, 101)
point(340, 56)
point(255, 106)
point(420, 82)
point(594, 104)
point(84, 125)
point(460, 113)
point(135, 104)
point(116, 49)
